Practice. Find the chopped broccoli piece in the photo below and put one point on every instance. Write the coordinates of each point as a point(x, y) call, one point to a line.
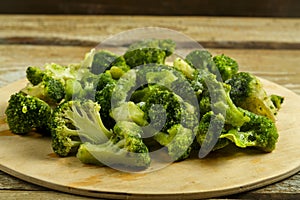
point(25, 112)
point(202, 61)
point(277, 101)
point(75, 122)
point(167, 45)
point(215, 94)
point(248, 93)
point(34, 75)
point(259, 132)
point(184, 67)
point(124, 150)
point(226, 66)
point(208, 133)
point(129, 111)
point(178, 141)
point(49, 89)
point(138, 57)
point(165, 109)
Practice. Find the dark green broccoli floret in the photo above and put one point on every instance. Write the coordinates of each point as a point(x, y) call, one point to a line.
point(202, 60)
point(178, 140)
point(248, 93)
point(75, 122)
point(260, 132)
point(226, 66)
point(104, 79)
point(167, 45)
point(25, 112)
point(34, 75)
point(102, 61)
point(215, 95)
point(138, 57)
point(49, 89)
point(125, 150)
point(208, 132)
point(277, 100)
point(165, 109)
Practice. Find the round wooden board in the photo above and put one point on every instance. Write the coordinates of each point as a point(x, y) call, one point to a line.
point(224, 172)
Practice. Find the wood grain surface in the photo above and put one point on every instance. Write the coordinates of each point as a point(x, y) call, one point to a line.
point(268, 47)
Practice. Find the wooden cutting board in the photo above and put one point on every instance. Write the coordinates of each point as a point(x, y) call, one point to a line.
point(224, 172)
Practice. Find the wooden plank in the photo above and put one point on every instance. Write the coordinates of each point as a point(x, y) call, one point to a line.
point(211, 32)
point(279, 66)
point(45, 195)
point(282, 8)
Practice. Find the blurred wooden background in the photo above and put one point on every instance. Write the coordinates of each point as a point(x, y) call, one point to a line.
point(248, 8)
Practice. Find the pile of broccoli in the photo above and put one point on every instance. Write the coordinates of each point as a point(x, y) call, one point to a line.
point(114, 110)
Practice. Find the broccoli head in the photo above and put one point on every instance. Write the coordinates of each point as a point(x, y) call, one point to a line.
point(164, 109)
point(226, 66)
point(49, 89)
point(25, 112)
point(74, 122)
point(248, 93)
point(167, 45)
point(277, 101)
point(124, 150)
point(178, 141)
point(208, 133)
point(202, 60)
point(260, 132)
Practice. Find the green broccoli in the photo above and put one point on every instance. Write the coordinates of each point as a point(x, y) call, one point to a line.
point(226, 66)
point(202, 60)
point(215, 95)
point(129, 111)
point(178, 141)
point(184, 67)
point(164, 109)
point(25, 113)
point(124, 150)
point(248, 93)
point(167, 45)
point(74, 122)
point(138, 57)
point(277, 101)
point(34, 75)
point(208, 133)
point(49, 89)
point(260, 132)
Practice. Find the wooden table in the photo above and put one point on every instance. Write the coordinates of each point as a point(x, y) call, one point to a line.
point(267, 47)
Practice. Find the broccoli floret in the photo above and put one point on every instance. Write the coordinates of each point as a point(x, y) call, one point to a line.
point(178, 140)
point(202, 60)
point(167, 45)
point(125, 150)
point(138, 57)
point(104, 79)
point(277, 101)
point(248, 93)
point(75, 122)
point(226, 66)
point(49, 89)
point(25, 112)
point(184, 67)
point(215, 94)
point(165, 109)
point(34, 75)
point(103, 98)
point(102, 60)
point(260, 132)
point(129, 111)
point(208, 133)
